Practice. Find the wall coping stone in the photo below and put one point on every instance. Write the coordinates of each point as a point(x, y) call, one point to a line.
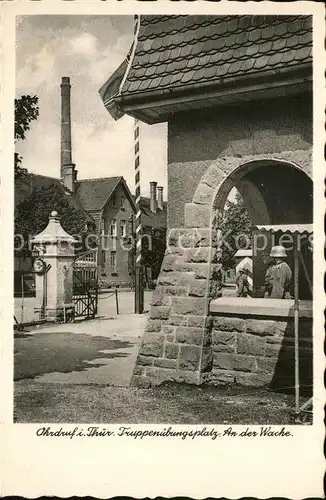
point(259, 307)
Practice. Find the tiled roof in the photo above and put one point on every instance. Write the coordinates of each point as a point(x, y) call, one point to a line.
point(175, 51)
point(178, 63)
point(178, 51)
point(94, 193)
point(90, 195)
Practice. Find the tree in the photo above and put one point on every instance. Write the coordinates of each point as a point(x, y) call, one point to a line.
point(26, 111)
point(32, 215)
point(236, 229)
point(153, 253)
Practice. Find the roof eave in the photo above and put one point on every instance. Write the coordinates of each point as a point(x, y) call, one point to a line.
point(136, 104)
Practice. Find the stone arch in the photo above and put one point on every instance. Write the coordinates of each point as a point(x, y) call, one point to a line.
point(222, 174)
point(215, 185)
point(177, 344)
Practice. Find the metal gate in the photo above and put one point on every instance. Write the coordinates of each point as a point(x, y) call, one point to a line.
point(85, 284)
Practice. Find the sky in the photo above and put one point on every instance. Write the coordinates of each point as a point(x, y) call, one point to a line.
point(87, 49)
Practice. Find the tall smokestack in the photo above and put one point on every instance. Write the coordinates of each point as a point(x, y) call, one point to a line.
point(160, 197)
point(153, 202)
point(67, 168)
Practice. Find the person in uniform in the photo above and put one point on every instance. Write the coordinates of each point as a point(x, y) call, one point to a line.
point(242, 283)
point(278, 276)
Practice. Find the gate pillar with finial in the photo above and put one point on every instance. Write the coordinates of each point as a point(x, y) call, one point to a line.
point(54, 272)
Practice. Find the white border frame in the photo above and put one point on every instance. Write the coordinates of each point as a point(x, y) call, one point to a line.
point(290, 467)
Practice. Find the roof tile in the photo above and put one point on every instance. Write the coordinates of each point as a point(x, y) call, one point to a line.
point(288, 56)
point(257, 21)
point(235, 67)
point(153, 58)
point(247, 65)
point(295, 26)
point(193, 62)
point(222, 70)
point(274, 59)
point(279, 44)
point(268, 32)
point(223, 28)
point(261, 62)
point(281, 29)
point(186, 51)
point(255, 35)
point(245, 22)
point(198, 74)
point(303, 53)
point(187, 76)
point(230, 41)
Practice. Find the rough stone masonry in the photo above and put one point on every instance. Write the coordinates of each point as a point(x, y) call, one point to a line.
point(179, 343)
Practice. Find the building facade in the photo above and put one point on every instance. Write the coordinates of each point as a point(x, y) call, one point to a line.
point(110, 209)
point(111, 205)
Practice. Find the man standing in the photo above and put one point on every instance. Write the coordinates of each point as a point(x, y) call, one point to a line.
point(278, 275)
point(243, 287)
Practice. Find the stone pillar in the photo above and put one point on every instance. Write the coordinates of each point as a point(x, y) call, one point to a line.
point(57, 283)
point(177, 343)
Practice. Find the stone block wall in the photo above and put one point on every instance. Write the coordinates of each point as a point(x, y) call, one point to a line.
point(259, 351)
point(177, 343)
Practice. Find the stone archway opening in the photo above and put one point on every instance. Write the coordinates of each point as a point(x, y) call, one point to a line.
point(191, 338)
point(274, 192)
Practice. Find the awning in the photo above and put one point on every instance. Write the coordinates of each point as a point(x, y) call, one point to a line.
point(286, 228)
point(243, 252)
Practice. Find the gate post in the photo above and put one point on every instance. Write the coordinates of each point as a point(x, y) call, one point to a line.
point(56, 285)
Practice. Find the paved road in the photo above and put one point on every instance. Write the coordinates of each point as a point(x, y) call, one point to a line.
point(99, 351)
point(106, 305)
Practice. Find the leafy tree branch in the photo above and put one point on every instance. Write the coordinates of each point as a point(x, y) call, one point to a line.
point(26, 111)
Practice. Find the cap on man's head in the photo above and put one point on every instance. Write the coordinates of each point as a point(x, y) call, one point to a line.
point(278, 251)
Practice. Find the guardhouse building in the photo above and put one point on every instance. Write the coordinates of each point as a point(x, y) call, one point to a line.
point(236, 92)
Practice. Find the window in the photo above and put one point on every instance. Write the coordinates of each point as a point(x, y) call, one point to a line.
point(114, 201)
point(102, 227)
point(113, 228)
point(113, 262)
point(123, 229)
point(122, 202)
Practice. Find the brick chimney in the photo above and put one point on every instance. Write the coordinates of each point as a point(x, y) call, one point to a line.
point(160, 197)
point(68, 173)
point(153, 201)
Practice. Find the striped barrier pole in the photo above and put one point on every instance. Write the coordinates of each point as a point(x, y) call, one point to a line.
point(139, 289)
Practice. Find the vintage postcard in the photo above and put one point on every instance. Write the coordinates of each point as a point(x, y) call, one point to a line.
point(162, 249)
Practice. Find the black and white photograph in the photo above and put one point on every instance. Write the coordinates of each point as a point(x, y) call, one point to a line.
point(164, 265)
point(188, 252)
